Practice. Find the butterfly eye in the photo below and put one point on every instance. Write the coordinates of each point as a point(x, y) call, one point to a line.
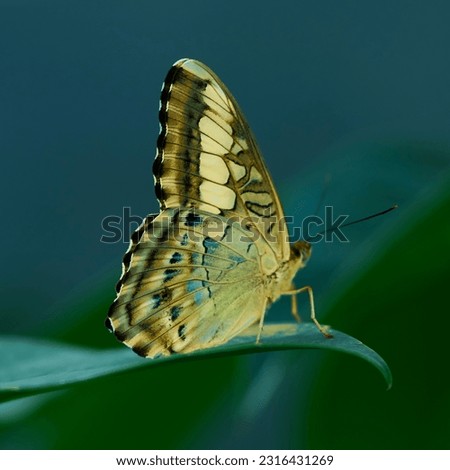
point(301, 249)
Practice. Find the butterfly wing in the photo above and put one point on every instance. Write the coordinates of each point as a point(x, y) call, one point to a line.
point(207, 157)
point(183, 290)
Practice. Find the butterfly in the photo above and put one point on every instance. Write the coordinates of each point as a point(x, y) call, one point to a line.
point(218, 253)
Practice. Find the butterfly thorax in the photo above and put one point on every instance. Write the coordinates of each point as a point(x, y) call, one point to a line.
point(281, 280)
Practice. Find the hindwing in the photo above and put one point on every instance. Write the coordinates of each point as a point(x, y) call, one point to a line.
point(182, 289)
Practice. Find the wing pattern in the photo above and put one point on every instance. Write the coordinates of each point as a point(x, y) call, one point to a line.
point(207, 157)
point(198, 273)
point(181, 288)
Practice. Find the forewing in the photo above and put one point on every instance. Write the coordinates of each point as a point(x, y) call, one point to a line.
point(207, 157)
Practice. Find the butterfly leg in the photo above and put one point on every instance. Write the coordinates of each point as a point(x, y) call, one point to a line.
point(313, 311)
point(261, 326)
point(294, 308)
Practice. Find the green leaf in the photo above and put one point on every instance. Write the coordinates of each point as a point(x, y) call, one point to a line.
point(34, 366)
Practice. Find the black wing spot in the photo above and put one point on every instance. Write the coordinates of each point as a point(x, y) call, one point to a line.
point(119, 284)
point(160, 194)
point(176, 258)
point(157, 166)
point(193, 220)
point(127, 259)
point(175, 313)
point(137, 234)
point(141, 350)
point(170, 274)
point(184, 240)
point(120, 336)
point(181, 332)
point(159, 298)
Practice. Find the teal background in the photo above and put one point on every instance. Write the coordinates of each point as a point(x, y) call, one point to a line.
point(356, 90)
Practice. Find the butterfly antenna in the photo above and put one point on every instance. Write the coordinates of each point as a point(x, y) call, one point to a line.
point(370, 216)
point(357, 221)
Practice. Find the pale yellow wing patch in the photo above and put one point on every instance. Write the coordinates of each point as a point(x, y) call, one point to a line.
point(207, 157)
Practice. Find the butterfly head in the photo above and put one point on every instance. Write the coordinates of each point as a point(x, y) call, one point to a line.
point(300, 251)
